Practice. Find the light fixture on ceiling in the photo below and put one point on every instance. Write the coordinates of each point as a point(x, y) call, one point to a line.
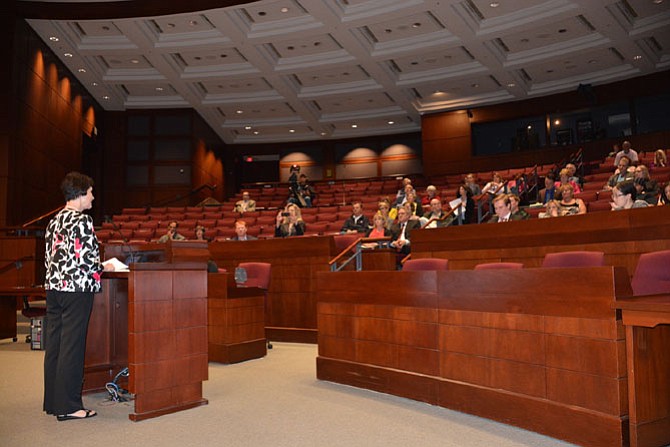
point(529, 127)
point(67, 54)
point(247, 127)
point(557, 122)
point(657, 2)
point(105, 97)
point(390, 122)
point(54, 39)
point(159, 89)
point(94, 84)
point(494, 4)
point(637, 57)
point(256, 132)
point(134, 61)
point(354, 126)
point(82, 70)
point(291, 130)
point(511, 84)
point(284, 9)
point(239, 112)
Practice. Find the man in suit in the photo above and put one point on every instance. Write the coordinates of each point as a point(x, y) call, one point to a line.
point(357, 223)
point(401, 232)
point(246, 204)
point(241, 232)
point(437, 213)
point(503, 209)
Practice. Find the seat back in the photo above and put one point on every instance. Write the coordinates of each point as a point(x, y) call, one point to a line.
point(498, 265)
point(574, 259)
point(414, 265)
point(342, 241)
point(652, 274)
point(258, 274)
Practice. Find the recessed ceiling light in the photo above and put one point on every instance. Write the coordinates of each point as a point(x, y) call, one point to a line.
point(390, 122)
point(247, 127)
point(134, 61)
point(557, 122)
point(657, 2)
point(94, 84)
point(105, 97)
point(637, 57)
point(284, 9)
point(494, 4)
point(193, 22)
point(353, 126)
point(530, 127)
point(475, 85)
point(291, 130)
point(511, 84)
point(82, 70)
point(323, 134)
point(159, 89)
point(67, 54)
point(256, 132)
point(54, 39)
point(239, 112)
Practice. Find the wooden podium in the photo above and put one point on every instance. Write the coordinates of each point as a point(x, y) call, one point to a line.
point(152, 319)
point(236, 320)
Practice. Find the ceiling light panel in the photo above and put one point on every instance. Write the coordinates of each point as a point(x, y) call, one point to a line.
point(570, 66)
point(211, 57)
point(125, 62)
point(235, 86)
point(354, 103)
point(267, 12)
point(148, 90)
point(181, 24)
point(97, 29)
point(547, 34)
point(405, 27)
point(257, 111)
point(306, 46)
point(332, 76)
point(424, 61)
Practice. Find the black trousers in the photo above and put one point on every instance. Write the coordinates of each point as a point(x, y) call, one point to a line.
point(66, 326)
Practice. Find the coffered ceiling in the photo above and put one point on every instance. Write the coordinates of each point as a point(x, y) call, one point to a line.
point(289, 70)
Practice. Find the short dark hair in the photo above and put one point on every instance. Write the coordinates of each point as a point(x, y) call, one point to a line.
point(627, 187)
point(75, 185)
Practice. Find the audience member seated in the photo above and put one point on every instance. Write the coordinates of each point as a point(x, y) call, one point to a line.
point(431, 193)
point(469, 181)
point(552, 209)
point(664, 199)
point(171, 234)
point(401, 200)
point(384, 208)
point(564, 179)
point(647, 188)
point(289, 222)
point(414, 207)
point(624, 196)
point(241, 232)
point(503, 210)
point(200, 234)
point(572, 172)
point(401, 232)
point(660, 159)
point(400, 196)
point(378, 229)
point(465, 213)
point(621, 174)
point(305, 191)
point(548, 193)
point(495, 187)
point(436, 217)
point(514, 200)
point(626, 151)
point(357, 222)
point(570, 205)
point(246, 204)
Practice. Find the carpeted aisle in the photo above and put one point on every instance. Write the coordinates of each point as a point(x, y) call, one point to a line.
point(275, 401)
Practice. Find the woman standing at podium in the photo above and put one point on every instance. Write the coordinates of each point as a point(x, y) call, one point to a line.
point(73, 269)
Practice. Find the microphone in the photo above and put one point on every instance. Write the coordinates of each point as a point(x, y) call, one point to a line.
point(130, 253)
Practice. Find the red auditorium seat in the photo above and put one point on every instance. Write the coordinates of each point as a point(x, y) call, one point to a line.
point(599, 205)
point(498, 265)
point(574, 259)
point(652, 274)
point(425, 264)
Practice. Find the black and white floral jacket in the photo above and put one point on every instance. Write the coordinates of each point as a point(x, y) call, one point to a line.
point(72, 257)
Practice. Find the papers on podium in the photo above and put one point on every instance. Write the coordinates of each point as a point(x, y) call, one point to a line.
point(118, 265)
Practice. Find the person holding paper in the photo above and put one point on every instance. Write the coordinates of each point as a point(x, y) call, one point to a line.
point(436, 217)
point(73, 270)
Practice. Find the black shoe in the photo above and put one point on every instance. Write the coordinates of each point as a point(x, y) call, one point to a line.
point(69, 417)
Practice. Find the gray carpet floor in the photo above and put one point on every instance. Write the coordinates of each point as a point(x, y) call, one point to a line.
point(274, 401)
